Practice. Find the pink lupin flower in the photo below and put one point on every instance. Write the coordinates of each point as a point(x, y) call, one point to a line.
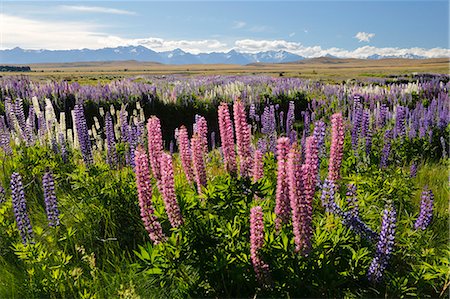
point(242, 138)
point(155, 145)
point(227, 138)
point(185, 153)
point(144, 187)
point(296, 196)
point(337, 146)
point(202, 130)
point(256, 244)
point(168, 191)
point(282, 208)
point(258, 166)
point(199, 162)
point(312, 156)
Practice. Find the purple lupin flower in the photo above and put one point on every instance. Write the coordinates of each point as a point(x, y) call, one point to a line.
point(349, 219)
point(51, 204)
point(400, 125)
point(5, 137)
point(20, 208)
point(352, 199)
point(356, 119)
point(319, 135)
point(110, 141)
point(257, 243)
point(386, 149)
point(413, 170)
point(385, 245)
point(426, 210)
point(83, 136)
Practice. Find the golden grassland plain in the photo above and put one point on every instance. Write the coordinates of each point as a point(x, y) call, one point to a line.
point(323, 68)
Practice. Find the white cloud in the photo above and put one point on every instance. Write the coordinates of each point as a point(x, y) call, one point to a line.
point(364, 36)
point(291, 34)
point(160, 44)
point(239, 24)
point(34, 34)
point(253, 46)
point(96, 9)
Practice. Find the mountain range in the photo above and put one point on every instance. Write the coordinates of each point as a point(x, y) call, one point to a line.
point(139, 53)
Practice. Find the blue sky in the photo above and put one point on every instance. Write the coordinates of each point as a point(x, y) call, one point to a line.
point(342, 28)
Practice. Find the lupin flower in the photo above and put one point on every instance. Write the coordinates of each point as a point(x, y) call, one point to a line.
point(426, 210)
point(168, 191)
point(110, 141)
point(201, 127)
point(83, 136)
point(257, 243)
point(337, 147)
point(51, 203)
point(282, 207)
point(258, 166)
point(185, 153)
point(400, 125)
point(198, 162)
point(145, 192)
point(413, 170)
point(227, 138)
point(20, 208)
point(155, 145)
point(296, 196)
point(319, 135)
point(290, 118)
point(242, 138)
point(357, 121)
point(385, 245)
point(386, 149)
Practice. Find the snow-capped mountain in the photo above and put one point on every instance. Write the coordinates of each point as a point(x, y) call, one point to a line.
point(140, 53)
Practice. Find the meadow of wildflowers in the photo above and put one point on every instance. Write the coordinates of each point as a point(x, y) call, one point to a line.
point(224, 186)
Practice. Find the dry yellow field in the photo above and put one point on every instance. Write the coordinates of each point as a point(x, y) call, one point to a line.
point(316, 68)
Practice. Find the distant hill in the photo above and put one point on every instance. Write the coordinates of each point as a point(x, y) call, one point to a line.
point(8, 68)
point(140, 53)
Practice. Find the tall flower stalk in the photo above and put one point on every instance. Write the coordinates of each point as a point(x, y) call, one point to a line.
point(242, 138)
point(155, 145)
point(227, 138)
point(185, 153)
point(337, 147)
point(257, 243)
point(385, 245)
point(145, 192)
point(168, 191)
point(51, 202)
point(282, 206)
point(20, 209)
point(426, 210)
point(83, 136)
point(198, 162)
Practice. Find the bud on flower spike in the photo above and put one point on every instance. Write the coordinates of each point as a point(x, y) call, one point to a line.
point(168, 191)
